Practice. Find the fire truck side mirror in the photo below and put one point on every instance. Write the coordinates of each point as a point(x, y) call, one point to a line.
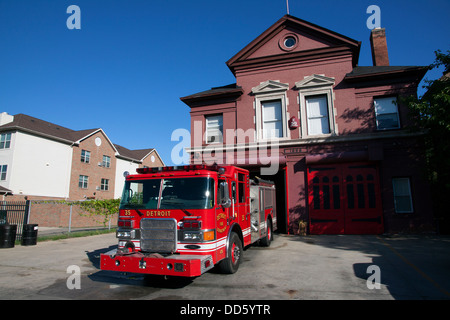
point(224, 195)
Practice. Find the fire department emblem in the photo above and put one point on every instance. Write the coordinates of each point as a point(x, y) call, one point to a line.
point(221, 222)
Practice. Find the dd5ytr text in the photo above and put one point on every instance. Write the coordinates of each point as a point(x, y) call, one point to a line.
point(227, 309)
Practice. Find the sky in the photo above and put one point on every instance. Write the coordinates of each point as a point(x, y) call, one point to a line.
point(127, 66)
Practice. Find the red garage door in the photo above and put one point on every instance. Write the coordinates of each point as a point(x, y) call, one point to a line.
point(344, 199)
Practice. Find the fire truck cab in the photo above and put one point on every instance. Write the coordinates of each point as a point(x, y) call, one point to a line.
point(182, 221)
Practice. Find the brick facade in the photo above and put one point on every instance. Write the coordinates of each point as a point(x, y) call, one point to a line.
point(98, 146)
point(337, 177)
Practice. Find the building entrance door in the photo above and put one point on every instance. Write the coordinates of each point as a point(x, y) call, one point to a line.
point(344, 199)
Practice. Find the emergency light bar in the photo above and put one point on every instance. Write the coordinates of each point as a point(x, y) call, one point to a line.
point(177, 168)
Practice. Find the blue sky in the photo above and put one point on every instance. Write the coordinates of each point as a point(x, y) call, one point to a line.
point(126, 68)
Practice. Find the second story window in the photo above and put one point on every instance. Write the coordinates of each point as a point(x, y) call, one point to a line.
point(85, 156)
point(271, 110)
point(214, 129)
point(272, 119)
point(3, 171)
point(317, 114)
point(386, 112)
point(5, 140)
point(106, 162)
point(316, 96)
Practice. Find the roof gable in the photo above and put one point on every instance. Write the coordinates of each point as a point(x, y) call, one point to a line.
point(308, 40)
point(92, 133)
point(134, 155)
point(303, 41)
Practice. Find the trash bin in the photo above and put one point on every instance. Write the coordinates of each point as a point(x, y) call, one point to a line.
point(29, 234)
point(8, 235)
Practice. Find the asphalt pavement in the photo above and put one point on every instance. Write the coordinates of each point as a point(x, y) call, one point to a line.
point(292, 268)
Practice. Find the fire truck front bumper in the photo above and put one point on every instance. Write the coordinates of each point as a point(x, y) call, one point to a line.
point(173, 265)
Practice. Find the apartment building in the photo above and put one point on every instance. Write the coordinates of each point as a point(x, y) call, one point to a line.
point(338, 132)
point(43, 160)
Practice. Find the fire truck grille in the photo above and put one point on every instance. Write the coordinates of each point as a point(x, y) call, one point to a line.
point(158, 235)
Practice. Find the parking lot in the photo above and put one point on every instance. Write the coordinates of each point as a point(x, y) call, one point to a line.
point(292, 268)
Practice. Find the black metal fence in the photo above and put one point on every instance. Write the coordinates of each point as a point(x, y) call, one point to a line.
point(15, 212)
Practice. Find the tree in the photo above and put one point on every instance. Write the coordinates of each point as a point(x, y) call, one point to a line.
point(431, 113)
point(105, 208)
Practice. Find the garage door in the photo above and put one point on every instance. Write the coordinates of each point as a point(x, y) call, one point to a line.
point(344, 199)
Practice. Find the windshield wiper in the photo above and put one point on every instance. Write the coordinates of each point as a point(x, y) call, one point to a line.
point(186, 212)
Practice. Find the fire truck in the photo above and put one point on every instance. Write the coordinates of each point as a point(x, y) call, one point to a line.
point(184, 220)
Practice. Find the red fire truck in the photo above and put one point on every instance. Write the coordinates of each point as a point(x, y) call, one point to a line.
point(182, 221)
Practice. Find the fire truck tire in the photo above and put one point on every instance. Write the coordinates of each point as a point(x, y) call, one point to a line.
point(265, 242)
point(234, 256)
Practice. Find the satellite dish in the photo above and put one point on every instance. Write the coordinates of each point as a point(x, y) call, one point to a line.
point(126, 173)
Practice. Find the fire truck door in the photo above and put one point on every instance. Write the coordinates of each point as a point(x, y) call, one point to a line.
point(223, 216)
point(241, 208)
point(262, 230)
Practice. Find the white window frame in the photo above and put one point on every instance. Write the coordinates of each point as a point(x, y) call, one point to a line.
point(3, 172)
point(85, 156)
point(310, 117)
point(394, 101)
point(270, 91)
point(266, 135)
point(5, 140)
point(408, 194)
point(316, 85)
point(83, 181)
point(106, 162)
point(218, 127)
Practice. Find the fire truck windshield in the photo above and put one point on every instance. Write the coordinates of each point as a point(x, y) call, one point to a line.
point(174, 193)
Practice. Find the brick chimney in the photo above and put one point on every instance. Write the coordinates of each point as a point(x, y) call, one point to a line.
point(379, 47)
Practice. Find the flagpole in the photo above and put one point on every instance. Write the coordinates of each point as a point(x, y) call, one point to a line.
point(287, 6)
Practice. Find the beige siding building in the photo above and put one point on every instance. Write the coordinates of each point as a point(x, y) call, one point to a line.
point(42, 160)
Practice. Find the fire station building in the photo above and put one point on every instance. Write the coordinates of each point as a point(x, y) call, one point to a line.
point(346, 159)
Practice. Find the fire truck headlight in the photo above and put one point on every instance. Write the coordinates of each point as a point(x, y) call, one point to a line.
point(192, 236)
point(125, 234)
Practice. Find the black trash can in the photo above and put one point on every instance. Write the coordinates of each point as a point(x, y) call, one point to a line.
point(8, 235)
point(29, 234)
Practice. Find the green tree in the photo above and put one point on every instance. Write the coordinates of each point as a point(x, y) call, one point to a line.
point(431, 113)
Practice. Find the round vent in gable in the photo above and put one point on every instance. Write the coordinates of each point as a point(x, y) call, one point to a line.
point(288, 42)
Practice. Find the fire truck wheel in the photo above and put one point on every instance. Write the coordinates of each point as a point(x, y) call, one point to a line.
point(265, 242)
point(234, 256)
